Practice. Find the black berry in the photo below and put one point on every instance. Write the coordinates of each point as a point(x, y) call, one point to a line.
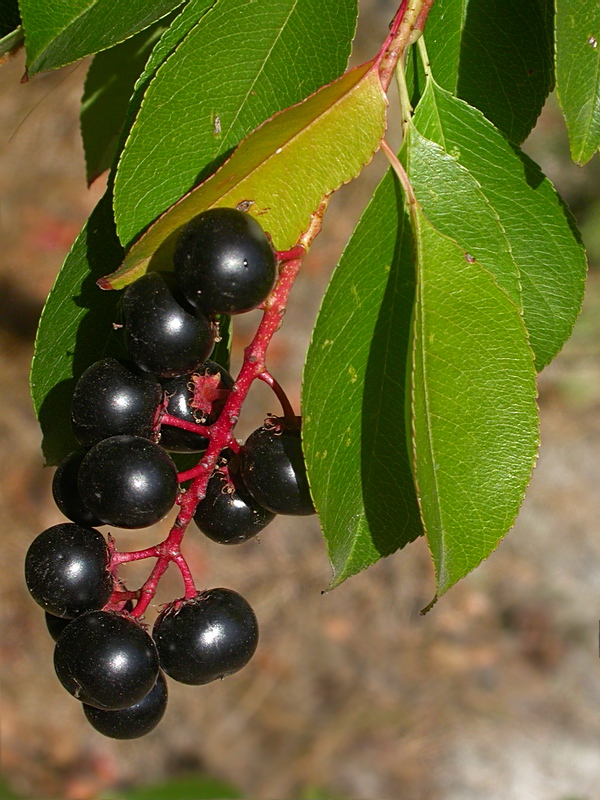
point(66, 570)
point(66, 494)
point(110, 399)
point(197, 398)
point(128, 481)
point(55, 625)
point(134, 721)
point(106, 660)
point(208, 637)
point(274, 471)
point(162, 333)
point(229, 514)
point(224, 262)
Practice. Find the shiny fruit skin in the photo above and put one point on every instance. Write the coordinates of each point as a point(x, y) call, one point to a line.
point(66, 494)
point(66, 570)
point(229, 514)
point(163, 335)
point(110, 399)
point(207, 637)
point(106, 660)
point(128, 481)
point(224, 262)
point(274, 471)
point(134, 721)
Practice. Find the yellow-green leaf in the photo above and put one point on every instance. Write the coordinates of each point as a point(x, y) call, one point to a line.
point(281, 170)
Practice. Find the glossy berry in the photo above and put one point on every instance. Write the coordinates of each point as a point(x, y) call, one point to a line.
point(128, 481)
point(229, 514)
point(224, 262)
point(208, 637)
point(55, 625)
point(110, 399)
point(197, 398)
point(136, 720)
point(66, 570)
point(66, 494)
point(274, 471)
point(106, 660)
point(162, 333)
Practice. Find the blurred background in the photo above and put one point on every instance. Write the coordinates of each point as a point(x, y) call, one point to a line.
point(494, 694)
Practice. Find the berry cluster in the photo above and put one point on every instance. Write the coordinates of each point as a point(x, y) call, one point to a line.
point(127, 416)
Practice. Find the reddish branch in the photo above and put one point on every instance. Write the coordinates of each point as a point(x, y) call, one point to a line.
point(220, 434)
point(406, 26)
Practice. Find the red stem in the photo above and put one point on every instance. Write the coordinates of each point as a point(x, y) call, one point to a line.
point(288, 411)
point(220, 433)
point(175, 422)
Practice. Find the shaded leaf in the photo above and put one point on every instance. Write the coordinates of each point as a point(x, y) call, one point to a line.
point(353, 400)
point(475, 426)
point(74, 329)
point(238, 66)
point(9, 17)
point(527, 236)
point(497, 55)
point(10, 42)
point(60, 33)
point(108, 89)
point(284, 168)
point(578, 73)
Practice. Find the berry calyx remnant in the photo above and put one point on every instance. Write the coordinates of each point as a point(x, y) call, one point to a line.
point(224, 262)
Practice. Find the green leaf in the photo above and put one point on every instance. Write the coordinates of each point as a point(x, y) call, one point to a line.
point(497, 55)
point(193, 788)
point(353, 400)
point(108, 89)
point(475, 423)
point(10, 42)
point(283, 169)
point(578, 73)
point(60, 33)
point(497, 204)
point(74, 328)
point(236, 68)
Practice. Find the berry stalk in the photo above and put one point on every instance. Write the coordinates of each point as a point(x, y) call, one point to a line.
point(220, 433)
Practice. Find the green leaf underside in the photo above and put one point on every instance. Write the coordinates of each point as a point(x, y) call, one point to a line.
point(353, 400)
point(108, 88)
point(237, 67)
point(74, 329)
point(11, 41)
point(58, 33)
point(284, 168)
point(578, 73)
point(496, 188)
point(475, 423)
point(495, 55)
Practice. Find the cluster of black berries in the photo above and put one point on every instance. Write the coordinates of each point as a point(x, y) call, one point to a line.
point(224, 264)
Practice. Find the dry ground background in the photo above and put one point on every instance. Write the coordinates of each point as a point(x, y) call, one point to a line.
point(494, 695)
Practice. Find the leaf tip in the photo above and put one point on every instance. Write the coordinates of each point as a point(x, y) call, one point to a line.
point(429, 606)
